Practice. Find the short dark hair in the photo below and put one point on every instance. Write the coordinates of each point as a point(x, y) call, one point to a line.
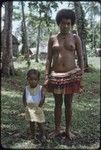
point(33, 71)
point(67, 14)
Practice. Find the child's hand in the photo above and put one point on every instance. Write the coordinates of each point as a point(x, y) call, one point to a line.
point(25, 104)
point(43, 90)
point(40, 104)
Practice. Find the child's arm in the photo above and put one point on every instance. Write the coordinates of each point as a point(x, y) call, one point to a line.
point(43, 97)
point(24, 98)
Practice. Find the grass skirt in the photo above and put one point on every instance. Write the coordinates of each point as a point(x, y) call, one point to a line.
point(65, 83)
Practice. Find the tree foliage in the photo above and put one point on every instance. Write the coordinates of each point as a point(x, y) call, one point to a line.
point(40, 16)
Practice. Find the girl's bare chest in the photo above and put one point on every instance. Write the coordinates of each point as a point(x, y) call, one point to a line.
point(67, 44)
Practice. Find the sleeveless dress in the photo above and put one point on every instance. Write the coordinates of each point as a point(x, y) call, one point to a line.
point(32, 111)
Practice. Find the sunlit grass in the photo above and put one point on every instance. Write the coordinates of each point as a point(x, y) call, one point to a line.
point(95, 62)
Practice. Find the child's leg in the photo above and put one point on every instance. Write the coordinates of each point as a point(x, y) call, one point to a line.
point(42, 135)
point(41, 129)
point(32, 129)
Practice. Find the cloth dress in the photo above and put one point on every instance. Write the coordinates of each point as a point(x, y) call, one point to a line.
point(32, 111)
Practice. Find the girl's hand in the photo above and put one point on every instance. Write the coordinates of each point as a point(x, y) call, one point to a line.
point(81, 90)
point(81, 87)
point(46, 83)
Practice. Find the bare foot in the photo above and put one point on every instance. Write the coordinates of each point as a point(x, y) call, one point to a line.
point(70, 136)
point(58, 132)
point(54, 134)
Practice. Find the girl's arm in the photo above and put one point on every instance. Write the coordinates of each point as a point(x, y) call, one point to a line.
point(80, 57)
point(49, 59)
point(79, 53)
point(24, 98)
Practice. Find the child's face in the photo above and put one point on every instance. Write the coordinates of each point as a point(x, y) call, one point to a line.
point(33, 80)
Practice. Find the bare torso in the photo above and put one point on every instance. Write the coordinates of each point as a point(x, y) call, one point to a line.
point(63, 53)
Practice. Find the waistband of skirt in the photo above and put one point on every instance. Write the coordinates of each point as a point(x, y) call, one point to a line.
point(73, 71)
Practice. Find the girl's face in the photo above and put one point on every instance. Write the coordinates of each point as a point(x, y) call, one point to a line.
point(65, 25)
point(33, 80)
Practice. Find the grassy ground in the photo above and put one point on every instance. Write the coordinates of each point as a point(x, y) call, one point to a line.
point(86, 111)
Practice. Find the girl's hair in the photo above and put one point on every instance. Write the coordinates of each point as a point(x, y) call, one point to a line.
point(66, 14)
point(33, 71)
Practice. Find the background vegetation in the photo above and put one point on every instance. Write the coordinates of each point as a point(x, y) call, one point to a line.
point(36, 25)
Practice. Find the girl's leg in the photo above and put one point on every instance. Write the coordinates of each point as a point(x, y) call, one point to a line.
point(68, 113)
point(32, 129)
point(58, 112)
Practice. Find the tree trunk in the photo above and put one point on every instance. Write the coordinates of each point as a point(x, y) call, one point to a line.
point(7, 58)
point(25, 50)
point(38, 42)
point(93, 28)
point(80, 21)
point(38, 38)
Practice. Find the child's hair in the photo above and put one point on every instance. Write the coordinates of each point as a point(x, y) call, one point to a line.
point(33, 71)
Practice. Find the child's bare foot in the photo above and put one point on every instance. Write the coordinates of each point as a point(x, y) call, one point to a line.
point(70, 136)
point(36, 141)
point(43, 139)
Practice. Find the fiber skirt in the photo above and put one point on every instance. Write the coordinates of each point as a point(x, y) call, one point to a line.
point(34, 113)
point(65, 83)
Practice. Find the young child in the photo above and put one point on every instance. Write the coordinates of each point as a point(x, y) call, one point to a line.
point(33, 99)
